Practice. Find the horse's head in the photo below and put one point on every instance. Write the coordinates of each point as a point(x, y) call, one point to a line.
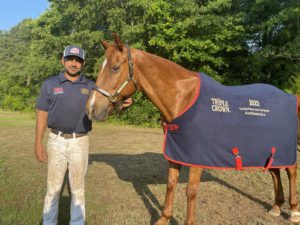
point(114, 83)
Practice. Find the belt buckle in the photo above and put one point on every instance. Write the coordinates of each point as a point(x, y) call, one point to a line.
point(67, 136)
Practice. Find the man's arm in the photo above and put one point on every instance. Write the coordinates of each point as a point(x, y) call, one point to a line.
point(41, 124)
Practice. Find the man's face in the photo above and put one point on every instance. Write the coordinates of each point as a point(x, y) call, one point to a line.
point(73, 65)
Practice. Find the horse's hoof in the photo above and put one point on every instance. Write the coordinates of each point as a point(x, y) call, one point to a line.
point(295, 217)
point(274, 212)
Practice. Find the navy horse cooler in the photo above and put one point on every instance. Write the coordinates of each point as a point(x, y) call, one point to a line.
point(235, 127)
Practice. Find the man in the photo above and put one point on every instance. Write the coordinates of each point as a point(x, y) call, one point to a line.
point(61, 107)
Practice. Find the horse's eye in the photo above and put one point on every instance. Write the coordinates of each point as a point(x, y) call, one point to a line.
point(115, 69)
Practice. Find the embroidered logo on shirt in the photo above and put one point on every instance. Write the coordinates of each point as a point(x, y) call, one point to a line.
point(85, 91)
point(58, 90)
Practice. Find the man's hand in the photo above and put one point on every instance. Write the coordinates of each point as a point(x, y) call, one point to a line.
point(40, 153)
point(126, 103)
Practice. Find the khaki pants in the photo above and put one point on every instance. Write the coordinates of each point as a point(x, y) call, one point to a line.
point(62, 154)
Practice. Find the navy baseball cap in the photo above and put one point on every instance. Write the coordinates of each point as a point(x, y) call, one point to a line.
point(72, 50)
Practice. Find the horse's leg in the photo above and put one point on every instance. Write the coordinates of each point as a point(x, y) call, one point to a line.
point(174, 170)
point(191, 193)
point(298, 139)
point(278, 191)
point(292, 175)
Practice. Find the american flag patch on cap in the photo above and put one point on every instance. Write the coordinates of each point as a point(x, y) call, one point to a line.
point(74, 50)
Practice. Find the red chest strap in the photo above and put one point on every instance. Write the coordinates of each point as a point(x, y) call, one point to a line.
point(270, 159)
point(170, 127)
point(238, 159)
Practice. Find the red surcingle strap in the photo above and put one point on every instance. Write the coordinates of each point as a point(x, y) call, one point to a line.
point(170, 127)
point(238, 159)
point(270, 159)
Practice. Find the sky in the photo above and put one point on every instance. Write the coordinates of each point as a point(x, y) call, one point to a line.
point(13, 12)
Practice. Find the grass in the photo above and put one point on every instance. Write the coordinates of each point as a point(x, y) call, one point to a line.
point(125, 182)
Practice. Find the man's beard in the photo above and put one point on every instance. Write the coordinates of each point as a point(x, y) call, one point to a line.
point(73, 74)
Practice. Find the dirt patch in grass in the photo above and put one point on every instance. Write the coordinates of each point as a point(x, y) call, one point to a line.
point(125, 183)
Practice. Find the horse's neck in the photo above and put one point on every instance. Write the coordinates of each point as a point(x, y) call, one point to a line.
point(170, 87)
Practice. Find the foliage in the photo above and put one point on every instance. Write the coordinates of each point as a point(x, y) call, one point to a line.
point(273, 42)
point(235, 41)
point(142, 112)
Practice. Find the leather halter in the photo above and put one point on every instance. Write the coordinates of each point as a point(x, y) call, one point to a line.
point(114, 97)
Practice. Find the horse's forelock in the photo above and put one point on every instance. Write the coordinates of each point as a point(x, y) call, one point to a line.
point(114, 54)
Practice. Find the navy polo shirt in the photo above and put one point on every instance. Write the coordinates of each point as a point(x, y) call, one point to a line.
point(65, 102)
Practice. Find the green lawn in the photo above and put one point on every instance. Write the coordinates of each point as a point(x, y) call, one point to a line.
point(125, 182)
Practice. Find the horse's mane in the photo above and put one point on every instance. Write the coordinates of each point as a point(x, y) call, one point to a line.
point(158, 60)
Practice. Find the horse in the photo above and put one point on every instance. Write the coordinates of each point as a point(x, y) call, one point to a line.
point(171, 88)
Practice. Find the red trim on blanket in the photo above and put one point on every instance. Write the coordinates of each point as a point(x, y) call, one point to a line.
point(262, 168)
point(193, 101)
point(297, 103)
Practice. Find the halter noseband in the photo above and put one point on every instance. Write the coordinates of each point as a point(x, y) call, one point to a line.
point(114, 97)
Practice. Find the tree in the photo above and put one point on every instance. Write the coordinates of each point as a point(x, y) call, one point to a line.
point(272, 43)
point(235, 41)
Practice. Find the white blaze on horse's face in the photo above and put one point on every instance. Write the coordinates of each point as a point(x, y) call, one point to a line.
point(92, 106)
point(92, 102)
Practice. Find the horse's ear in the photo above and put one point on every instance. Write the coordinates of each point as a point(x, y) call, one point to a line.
point(105, 44)
point(118, 42)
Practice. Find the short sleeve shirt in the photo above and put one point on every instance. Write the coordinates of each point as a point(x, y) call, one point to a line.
point(65, 102)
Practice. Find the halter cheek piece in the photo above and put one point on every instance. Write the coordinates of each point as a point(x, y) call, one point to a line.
point(114, 97)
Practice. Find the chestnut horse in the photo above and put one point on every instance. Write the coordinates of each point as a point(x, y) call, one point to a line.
point(170, 88)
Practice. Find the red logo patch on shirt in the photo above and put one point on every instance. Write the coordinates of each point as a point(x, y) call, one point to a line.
point(58, 90)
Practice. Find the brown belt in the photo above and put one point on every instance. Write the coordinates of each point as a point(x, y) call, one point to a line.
point(68, 136)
